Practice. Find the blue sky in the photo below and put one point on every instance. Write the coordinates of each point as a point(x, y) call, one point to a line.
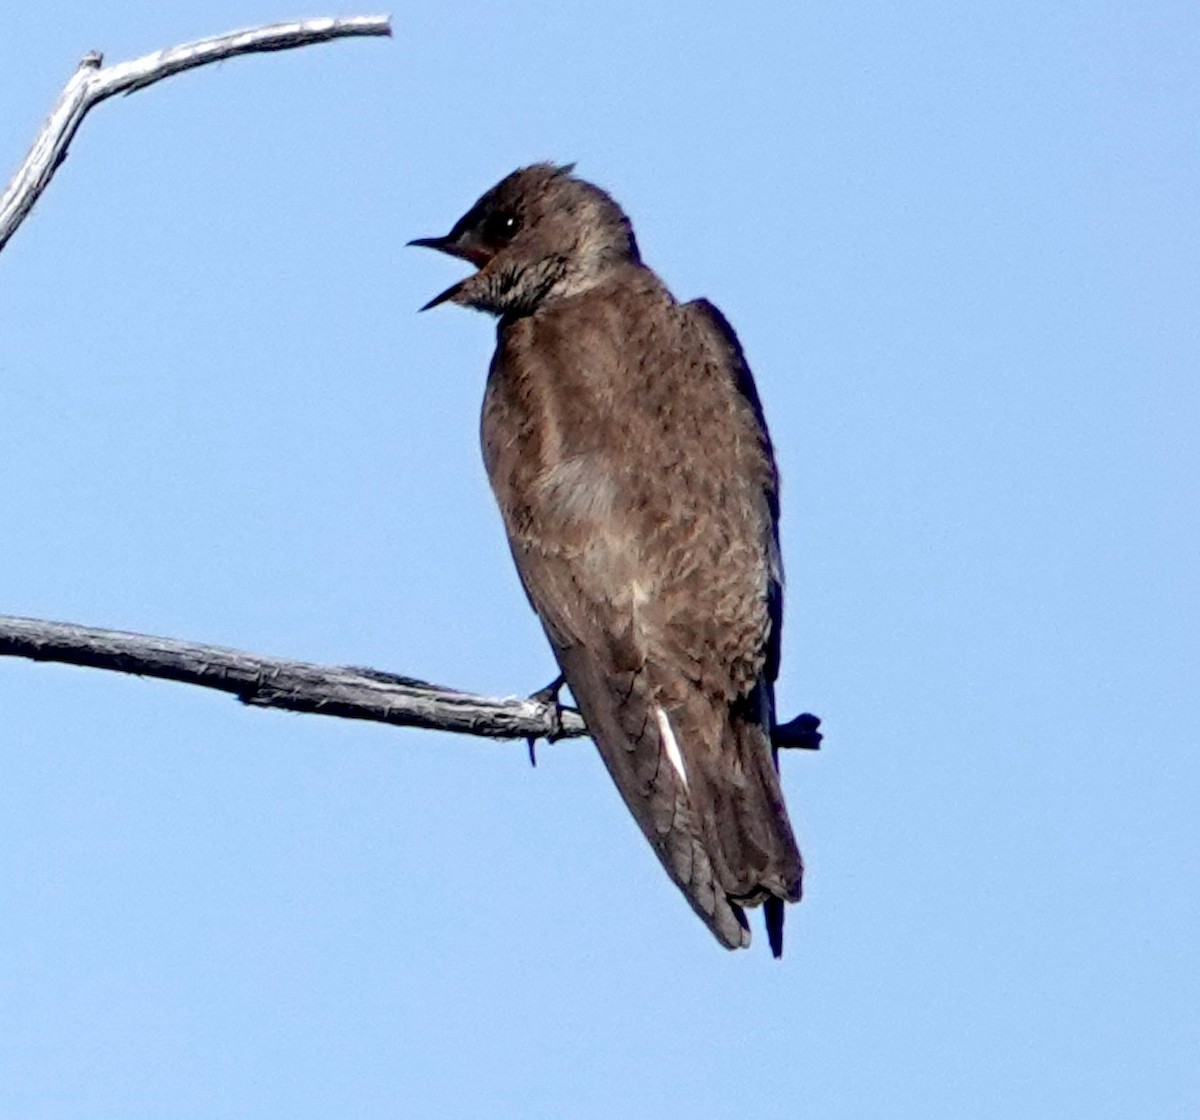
point(961, 245)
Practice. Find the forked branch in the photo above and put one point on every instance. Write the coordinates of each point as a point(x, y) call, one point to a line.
point(92, 83)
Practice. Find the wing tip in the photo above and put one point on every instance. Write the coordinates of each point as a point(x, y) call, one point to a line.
point(728, 924)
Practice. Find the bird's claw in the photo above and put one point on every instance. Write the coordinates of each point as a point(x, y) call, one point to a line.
point(548, 696)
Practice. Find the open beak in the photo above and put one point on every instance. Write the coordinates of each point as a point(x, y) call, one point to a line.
point(454, 247)
point(447, 295)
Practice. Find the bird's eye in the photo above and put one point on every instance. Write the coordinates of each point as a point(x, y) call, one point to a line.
point(501, 227)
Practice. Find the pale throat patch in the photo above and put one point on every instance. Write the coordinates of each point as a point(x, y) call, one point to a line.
point(670, 745)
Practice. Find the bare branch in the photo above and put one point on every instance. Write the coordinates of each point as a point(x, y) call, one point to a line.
point(300, 686)
point(91, 84)
point(798, 734)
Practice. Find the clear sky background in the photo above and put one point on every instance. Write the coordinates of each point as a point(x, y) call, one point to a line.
point(961, 245)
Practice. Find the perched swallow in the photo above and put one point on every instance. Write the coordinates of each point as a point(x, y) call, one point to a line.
point(627, 450)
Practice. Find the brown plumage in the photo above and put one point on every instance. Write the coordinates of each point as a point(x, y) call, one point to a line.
point(628, 453)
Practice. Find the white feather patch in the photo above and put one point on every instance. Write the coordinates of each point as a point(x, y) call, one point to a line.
point(578, 489)
point(670, 745)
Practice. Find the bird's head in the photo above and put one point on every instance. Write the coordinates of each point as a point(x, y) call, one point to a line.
point(537, 235)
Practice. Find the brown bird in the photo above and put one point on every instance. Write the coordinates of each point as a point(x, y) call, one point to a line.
point(626, 447)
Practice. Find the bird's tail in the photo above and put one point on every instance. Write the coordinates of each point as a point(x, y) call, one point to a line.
point(748, 832)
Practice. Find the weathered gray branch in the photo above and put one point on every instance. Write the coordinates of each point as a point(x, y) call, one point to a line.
point(91, 84)
point(299, 686)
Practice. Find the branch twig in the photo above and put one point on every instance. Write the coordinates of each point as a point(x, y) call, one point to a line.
point(90, 85)
point(299, 686)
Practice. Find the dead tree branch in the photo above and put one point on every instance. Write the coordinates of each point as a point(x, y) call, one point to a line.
point(297, 686)
point(300, 686)
point(91, 84)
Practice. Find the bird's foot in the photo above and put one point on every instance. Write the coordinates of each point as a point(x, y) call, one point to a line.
point(800, 732)
point(548, 696)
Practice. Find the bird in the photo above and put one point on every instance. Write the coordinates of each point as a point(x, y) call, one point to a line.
point(626, 447)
